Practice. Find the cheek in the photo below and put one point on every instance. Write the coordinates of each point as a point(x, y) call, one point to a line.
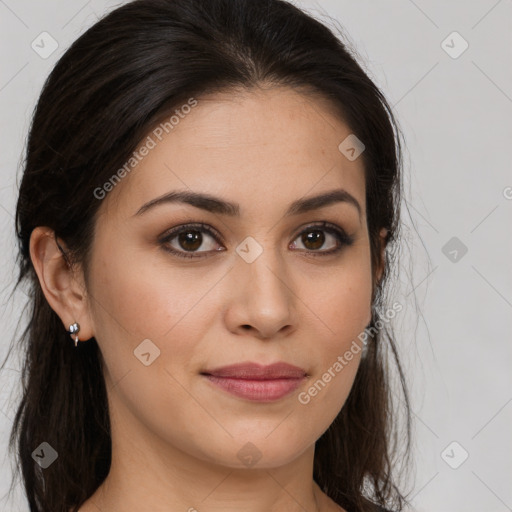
point(341, 301)
point(138, 298)
point(142, 298)
point(321, 401)
point(346, 313)
point(342, 306)
point(345, 310)
point(133, 303)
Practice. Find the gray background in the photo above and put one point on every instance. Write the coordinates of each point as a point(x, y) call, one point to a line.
point(456, 115)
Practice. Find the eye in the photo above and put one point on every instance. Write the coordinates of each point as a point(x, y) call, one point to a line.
point(313, 238)
point(189, 238)
point(186, 240)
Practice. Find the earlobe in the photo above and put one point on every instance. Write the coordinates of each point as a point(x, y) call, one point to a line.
point(61, 286)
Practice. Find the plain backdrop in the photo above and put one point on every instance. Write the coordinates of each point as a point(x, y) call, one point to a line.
point(446, 68)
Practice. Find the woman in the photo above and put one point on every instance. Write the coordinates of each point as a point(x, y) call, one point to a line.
point(206, 219)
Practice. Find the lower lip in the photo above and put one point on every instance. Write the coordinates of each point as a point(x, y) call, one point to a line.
point(257, 390)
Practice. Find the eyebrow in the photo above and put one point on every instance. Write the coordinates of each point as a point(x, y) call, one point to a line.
point(220, 206)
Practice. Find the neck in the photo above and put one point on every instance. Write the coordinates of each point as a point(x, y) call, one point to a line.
point(154, 474)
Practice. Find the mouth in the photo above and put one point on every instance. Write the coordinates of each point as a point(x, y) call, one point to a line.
point(256, 382)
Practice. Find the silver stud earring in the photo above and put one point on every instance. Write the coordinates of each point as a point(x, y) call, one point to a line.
point(73, 329)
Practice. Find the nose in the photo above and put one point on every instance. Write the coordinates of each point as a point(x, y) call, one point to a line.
point(262, 298)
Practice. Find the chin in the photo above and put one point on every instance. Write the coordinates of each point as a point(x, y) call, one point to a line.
point(258, 452)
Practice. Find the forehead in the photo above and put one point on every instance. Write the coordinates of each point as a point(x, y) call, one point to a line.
point(254, 147)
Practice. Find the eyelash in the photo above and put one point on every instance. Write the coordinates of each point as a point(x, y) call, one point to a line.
point(342, 238)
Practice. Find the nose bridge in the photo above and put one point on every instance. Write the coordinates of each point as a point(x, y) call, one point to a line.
point(262, 267)
point(264, 291)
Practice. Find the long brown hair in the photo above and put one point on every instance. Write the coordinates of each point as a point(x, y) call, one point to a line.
point(132, 67)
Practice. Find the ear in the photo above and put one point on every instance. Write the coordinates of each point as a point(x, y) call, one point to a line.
point(381, 264)
point(382, 256)
point(63, 286)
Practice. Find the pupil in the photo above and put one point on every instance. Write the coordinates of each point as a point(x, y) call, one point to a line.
point(316, 238)
point(193, 238)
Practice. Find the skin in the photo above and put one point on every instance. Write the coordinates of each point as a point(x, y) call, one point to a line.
point(176, 436)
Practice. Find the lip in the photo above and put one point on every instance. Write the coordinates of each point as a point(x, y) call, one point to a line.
point(256, 382)
point(256, 371)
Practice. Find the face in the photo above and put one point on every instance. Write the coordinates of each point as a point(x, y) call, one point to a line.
point(176, 290)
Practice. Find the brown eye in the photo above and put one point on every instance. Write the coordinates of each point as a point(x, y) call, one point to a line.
point(190, 240)
point(185, 241)
point(316, 236)
point(313, 239)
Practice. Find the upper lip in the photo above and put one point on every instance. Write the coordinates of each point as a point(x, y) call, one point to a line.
point(257, 371)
